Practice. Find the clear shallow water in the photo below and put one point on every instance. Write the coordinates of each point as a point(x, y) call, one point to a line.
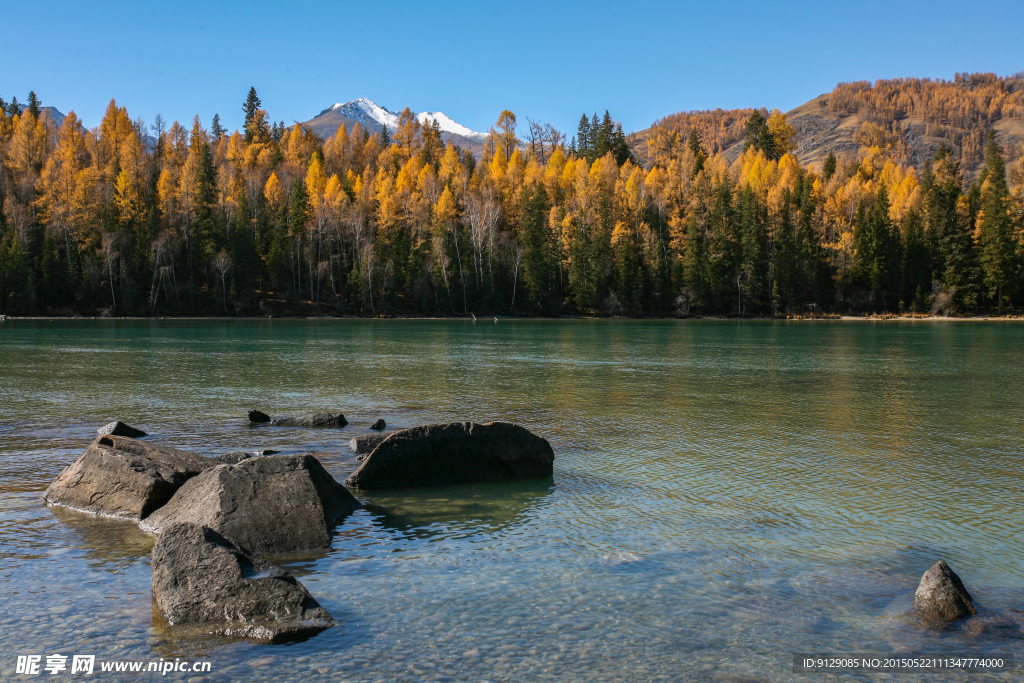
point(725, 494)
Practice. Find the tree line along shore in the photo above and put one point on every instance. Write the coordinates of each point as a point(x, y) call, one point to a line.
point(130, 219)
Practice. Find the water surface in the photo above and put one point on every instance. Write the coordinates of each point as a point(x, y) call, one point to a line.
point(725, 493)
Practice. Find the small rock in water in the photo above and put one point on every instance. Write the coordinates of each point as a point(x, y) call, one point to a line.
point(258, 417)
point(268, 451)
point(118, 428)
point(232, 457)
point(941, 596)
point(320, 419)
point(380, 425)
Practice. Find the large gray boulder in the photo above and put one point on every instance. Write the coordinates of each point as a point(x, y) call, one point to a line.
point(453, 453)
point(941, 596)
point(202, 579)
point(270, 504)
point(320, 419)
point(120, 477)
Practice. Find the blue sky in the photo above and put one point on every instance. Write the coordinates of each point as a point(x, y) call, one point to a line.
point(543, 60)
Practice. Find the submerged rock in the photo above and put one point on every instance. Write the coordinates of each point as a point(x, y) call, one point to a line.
point(380, 425)
point(258, 417)
point(202, 578)
point(941, 596)
point(119, 428)
point(121, 477)
point(457, 452)
point(365, 443)
point(272, 504)
point(1007, 624)
point(320, 419)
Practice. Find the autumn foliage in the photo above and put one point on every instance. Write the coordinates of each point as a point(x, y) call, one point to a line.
point(134, 220)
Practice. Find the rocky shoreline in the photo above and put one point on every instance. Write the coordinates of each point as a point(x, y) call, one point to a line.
point(217, 519)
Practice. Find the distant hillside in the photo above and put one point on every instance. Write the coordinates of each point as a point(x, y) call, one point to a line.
point(915, 115)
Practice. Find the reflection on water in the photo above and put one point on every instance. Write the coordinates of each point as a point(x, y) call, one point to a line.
point(725, 494)
point(108, 543)
point(468, 509)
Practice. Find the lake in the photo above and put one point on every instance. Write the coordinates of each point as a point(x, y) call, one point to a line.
point(725, 494)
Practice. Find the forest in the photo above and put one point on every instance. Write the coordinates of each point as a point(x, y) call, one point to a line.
point(137, 219)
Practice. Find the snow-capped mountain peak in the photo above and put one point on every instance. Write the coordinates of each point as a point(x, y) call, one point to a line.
point(373, 116)
point(447, 125)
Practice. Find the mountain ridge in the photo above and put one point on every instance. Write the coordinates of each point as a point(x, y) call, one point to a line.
point(914, 115)
point(373, 117)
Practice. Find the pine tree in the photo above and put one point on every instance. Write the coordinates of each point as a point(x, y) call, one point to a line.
point(694, 263)
point(582, 139)
point(700, 156)
point(949, 229)
point(537, 255)
point(998, 258)
point(217, 130)
point(750, 276)
point(757, 135)
point(249, 108)
point(605, 130)
point(828, 169)
point(877, 249)
point(34, 104)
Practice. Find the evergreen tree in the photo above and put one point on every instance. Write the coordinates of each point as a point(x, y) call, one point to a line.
point(877, 249)
point(582, 139)
point(605, 131)
point(700, 156)
point(998, 254)
point(916, 268)
point(757, 135)
point(249, 108)
point(34, 104)
point(694, 264)
point(217, 130)
point(750, 276)
point(722, 247)
point(828, 169)
point(949, 229)
point(620, 146)
point(537, 255)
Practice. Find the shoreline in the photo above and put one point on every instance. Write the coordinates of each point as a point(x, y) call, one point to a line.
point(1010, 317)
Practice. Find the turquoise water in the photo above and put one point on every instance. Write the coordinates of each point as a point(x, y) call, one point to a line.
point(726, 494)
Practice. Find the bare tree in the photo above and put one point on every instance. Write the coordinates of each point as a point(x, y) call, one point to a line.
point(482, 213)
point(163, 267)
point(516, 252)
point(222, 266)
point(111, 256)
